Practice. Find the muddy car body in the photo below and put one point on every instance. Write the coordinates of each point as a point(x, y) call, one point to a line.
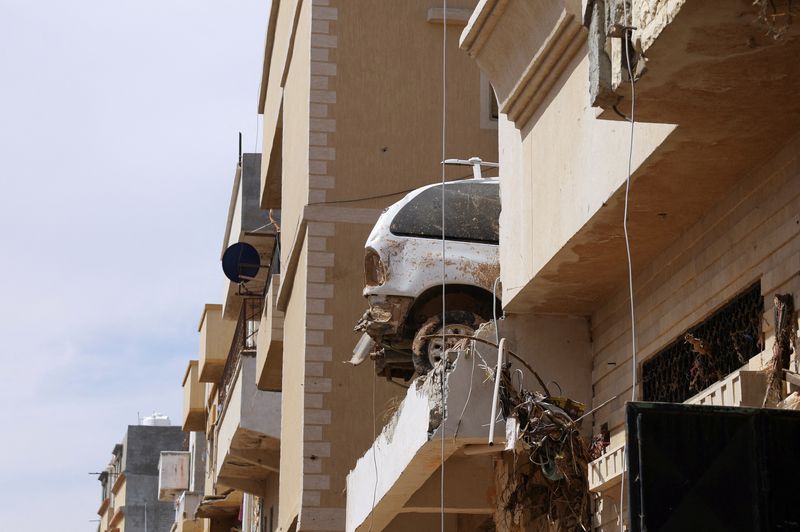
point(403, 272)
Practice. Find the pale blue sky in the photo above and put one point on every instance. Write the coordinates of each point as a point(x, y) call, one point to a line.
point(118, 139)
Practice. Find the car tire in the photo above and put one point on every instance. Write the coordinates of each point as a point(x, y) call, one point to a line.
point(462, 321)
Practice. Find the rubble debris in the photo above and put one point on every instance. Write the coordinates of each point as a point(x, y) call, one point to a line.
point(547, 478)
point(792, 402)
point(703, 369)
point(434, 385)
point(777, 20)
point(785, 332)
point(600, 443)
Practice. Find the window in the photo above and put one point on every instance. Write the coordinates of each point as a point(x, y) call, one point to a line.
point(489, 110)
point(494, 112)
point(719, 345)
point(472, 213)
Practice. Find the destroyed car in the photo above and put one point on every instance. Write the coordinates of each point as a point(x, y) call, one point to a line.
point(403, 275)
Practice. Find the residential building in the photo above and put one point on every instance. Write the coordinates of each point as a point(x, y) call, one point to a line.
point(181, 477)
point(229, 478)
point(687, 199)
point(351, 98)
point(130, 501)
point(712, 220)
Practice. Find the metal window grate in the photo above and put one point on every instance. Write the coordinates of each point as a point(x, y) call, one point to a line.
point(244, 341)
point(707, 352)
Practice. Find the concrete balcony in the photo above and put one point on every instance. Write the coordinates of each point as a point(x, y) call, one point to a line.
point(116, 520)
point(173, 474)
point(269, 342)
point(226, 505)
point(216, 335)
point(708, 76)
point(247, 437)
point(409, 451)
point(194, 407)
point(248, 222)
point(741, 388)
point(185, 510)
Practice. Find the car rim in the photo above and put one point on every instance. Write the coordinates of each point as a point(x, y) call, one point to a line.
point(437, 345)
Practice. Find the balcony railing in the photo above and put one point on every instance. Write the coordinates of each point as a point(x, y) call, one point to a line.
point(244, 341)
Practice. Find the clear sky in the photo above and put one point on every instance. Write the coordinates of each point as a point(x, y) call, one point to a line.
point(118, 141)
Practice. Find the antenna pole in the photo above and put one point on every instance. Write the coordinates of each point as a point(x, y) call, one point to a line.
point(240, 148)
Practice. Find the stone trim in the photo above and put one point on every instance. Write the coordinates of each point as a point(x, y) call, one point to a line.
point(319, 288)
point(546, 66)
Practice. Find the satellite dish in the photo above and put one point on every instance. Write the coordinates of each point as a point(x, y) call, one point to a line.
point(241, 262)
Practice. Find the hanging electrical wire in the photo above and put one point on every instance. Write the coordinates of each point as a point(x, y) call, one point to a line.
point(628, 31)
point(374, 450)
point(444, 267)
point(385, 195)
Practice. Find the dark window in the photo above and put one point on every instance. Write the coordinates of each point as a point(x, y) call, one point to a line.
point(494, 112)
point(472, 213)
point(707, 352)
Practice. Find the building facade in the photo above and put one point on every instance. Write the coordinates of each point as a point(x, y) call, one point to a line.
point(641, 153)
point(130, 500)
point(712, 222)
point(351, 99)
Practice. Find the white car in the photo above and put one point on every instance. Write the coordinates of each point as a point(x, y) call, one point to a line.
point(403, 273)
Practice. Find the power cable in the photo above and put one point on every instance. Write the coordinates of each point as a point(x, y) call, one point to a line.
point(444, 247)
point(387, 194)
point(628, 30)
point(374, 442)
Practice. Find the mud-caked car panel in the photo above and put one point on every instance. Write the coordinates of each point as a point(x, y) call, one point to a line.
point(403, 264)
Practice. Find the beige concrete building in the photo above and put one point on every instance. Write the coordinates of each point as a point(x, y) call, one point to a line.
point(351, 100)
point(229, 476)
point(347, 95)
point(289, 437)
point(714, 219)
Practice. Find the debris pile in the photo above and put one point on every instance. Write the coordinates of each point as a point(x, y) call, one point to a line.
point(547, 478)
point(776, 16)
point(785, 338)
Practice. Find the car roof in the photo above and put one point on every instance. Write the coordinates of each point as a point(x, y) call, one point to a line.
point(416, 191)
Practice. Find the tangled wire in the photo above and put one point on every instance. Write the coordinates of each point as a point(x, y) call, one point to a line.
point(552, 483)
point(776, 18)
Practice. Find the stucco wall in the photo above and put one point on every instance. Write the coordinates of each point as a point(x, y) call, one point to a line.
point(361, 117)
point(752, 233)
point(292, 389)
point(557, 172)
point(388, 107)
point(294, 190)
point(559, 348)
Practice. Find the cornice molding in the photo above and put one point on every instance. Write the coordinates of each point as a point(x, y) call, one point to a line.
point(547, 65)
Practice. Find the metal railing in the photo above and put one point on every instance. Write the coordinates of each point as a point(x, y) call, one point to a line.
point(246, 333)
point(244, 341)
point(707, 352)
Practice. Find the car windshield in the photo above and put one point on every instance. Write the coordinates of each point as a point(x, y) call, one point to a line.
point(472, 213)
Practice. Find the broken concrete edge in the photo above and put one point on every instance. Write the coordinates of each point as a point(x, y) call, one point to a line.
point(384, 463)
point(411, 446)
point(651, 18)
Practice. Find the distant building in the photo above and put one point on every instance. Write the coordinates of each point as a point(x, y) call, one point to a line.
point(130, 481)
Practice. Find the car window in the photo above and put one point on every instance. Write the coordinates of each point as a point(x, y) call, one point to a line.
point(472, 213)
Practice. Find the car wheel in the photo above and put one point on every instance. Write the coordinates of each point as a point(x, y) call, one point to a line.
point(429, 346)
